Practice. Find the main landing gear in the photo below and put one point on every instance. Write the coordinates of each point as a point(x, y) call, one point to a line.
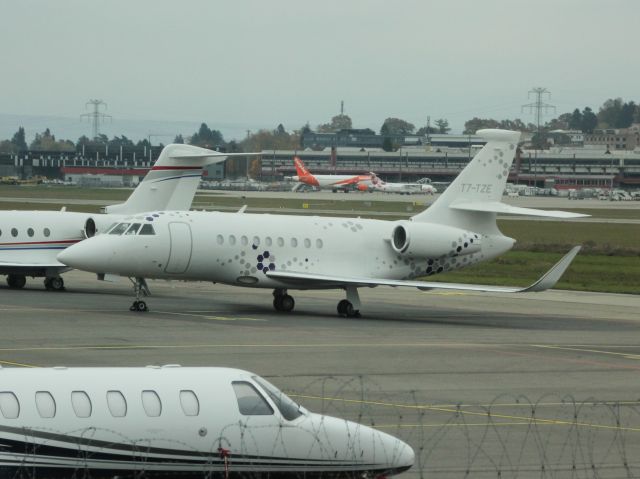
point(54, 283)
point(140, 287)
point(16, 281)
point(282, 301)
point(350, 307)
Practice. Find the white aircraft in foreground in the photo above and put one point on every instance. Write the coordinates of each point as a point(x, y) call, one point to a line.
point(378, 184)
point(31, 240)
point(284, 252)
point(176, 422)
point(334, 183)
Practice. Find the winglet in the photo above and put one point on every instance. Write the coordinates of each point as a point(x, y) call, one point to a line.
point(551, 277)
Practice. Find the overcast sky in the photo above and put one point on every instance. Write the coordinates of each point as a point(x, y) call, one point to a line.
point(246, 64)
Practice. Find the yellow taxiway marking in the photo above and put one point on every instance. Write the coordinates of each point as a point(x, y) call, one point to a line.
point(491, 416)
point(588, 350)
point(22, 365)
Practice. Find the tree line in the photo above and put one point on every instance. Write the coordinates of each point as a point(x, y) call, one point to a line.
point(614, 113)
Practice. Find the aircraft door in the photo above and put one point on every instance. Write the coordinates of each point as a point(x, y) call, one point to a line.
point(179, 249)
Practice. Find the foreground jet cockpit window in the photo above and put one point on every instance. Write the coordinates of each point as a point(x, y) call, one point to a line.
point(250, 402)
point(133, 229)
point(147, 229)
point(289, 409)
point(119, 229)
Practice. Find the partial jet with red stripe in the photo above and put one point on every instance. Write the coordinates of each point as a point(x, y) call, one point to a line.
point(335, 183)
point(31, 240)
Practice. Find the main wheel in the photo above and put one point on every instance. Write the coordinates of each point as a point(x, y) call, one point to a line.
point(342, 307)
point(287, 303)
point(141, 307)
point(16, 281)
point(277, 303)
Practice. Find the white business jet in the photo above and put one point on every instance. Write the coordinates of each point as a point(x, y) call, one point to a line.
point(31, 240)
point(176, 422)
point(284, 252)
point(378, 184)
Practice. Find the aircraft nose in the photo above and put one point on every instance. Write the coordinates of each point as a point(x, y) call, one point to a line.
point(82, 255)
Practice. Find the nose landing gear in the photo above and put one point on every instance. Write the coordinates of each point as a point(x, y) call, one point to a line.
point(282, 301)
point(16, 281)
point(141, 288)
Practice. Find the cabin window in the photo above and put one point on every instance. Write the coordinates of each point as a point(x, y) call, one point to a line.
point(232, 240)
point(250, 401)
point(119, 229)
point(307, 243)
point(14, 232)
point(45, 404)
point(9, 405)
point(117, 404)
point(294, 242)
point(244, 240)
point(268, 241)
point(189, 402)
point(134, 229)
point(220, 239)
point(289, 409)
point(280, 241)
point(46, 232)
point(256, 241)
point(151, 403)
point(318, 243)
point(30, 232)
point(81, 403)
point(147, 230)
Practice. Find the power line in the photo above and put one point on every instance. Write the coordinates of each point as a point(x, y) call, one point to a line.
point(96, 116)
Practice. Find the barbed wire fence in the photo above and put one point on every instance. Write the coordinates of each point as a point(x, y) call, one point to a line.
point(512, 436)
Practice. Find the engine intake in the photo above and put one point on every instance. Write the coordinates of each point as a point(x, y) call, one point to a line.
point(426, 240)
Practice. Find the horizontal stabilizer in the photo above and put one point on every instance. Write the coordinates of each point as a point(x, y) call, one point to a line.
point(502, 208)
point(548, 280)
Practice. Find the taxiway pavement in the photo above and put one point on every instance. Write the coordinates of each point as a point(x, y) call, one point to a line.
point(449, 372)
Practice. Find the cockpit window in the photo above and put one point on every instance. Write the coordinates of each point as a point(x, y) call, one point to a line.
point(250, 402)
point(289, 409)
point(147, 229)
point(119, 229)
point(133, 229)
point(111, 226)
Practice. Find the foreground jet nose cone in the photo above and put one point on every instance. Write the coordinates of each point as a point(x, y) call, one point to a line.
point(81, 255)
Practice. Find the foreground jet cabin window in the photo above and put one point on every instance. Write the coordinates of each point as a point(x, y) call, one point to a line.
point(250, 402)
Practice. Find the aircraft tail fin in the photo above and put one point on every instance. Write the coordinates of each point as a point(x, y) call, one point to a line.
point(482, 181)
point(172, 181)
point(301, 170)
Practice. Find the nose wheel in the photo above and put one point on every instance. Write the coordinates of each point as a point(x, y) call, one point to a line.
point(139, 306)
point(140, 287)
point(282, 301)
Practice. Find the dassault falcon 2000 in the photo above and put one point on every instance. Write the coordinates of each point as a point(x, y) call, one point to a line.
point(31, 240)
point(309, 252)
point(176, 422)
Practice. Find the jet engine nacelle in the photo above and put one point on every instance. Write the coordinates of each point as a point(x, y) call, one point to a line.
point(426, 240)
point(97, 224)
